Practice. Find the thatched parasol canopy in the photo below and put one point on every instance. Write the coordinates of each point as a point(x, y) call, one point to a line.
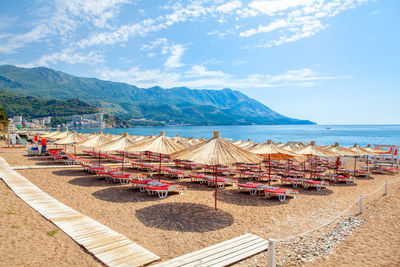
point(71, 139)
point(376, 151)
point(272, 151)
point(340, 150)
point(121, 143)
point(95, 141)
point(51, 134)
point(60, 135)
point(358, 151)
point(313, 150)
point(217, 151)
point(160, 144)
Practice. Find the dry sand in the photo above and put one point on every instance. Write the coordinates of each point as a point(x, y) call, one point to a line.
point(180, 223)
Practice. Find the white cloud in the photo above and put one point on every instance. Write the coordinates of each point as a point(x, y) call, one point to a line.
point(174, 60)
point(298, 19)
point(200, 77)
point(280, 23)
point(69, 56)
point(62, 18)
point(229, 7)
point(201, 71)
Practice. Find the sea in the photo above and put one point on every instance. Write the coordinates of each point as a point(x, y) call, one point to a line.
point(345, 135)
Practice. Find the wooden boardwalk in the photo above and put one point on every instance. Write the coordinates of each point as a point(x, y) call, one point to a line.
point(110, 247)
point(221, 254)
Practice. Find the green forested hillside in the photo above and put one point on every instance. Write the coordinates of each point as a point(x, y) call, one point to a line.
point(3, 119)
point(32, 107)
point(181, 104)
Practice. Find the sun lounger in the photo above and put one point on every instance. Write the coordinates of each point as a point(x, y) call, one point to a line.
point(122, 177)
point(281, 193)
point(196, 177)
point(163, 190)
point(267, 177)
point(317, 184)
point(143, 183)
point(248, 174)
point(341, 178)
point(294, 174)
point(292, 181)
point(191, 166)
point(174, 173)
point(252, 188)
point(220, 182)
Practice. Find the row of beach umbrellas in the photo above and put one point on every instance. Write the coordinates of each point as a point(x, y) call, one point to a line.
point(214, 152)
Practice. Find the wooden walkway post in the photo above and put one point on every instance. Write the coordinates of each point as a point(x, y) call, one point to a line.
point(361, 204)
point(386, 188)
point(271, 253)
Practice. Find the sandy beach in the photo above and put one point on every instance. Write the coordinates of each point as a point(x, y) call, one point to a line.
point(183, 223)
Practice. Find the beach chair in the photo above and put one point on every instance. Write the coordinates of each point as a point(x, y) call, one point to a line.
point(122, 177)
point(174, 173)
point(252, 188)
point(341, 178)
point(162, 190)
point(197, 177)
point(141, 184)
point(281, 193)
point(315, 184)
point(292, 181)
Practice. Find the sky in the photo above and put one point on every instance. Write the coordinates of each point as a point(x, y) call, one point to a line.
point(328, 61)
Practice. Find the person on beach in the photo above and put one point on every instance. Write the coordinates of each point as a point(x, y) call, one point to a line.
point(43, 142)
point(338, 163)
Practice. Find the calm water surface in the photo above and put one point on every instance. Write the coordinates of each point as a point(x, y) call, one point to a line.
point(346, 135)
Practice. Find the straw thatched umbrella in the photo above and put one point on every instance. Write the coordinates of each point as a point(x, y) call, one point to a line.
point(340, 151)
point(122, 143)
point(373, 150)
point(272, 151)
point(161, 145)
point(71, 139)
point(358, 151)
point(61, 135)
point(313, 150)
point(216, 151)
point(291, 146)
point(94, 141)
point(51, 134)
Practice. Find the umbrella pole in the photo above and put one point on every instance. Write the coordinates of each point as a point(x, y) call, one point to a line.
point(367, 164)
point(311, 168)
point(65, 149)
point(75, 151)
point(355, 163)
point(216, 187)
point(159, 170)
point(123, 159)
point(269, 169)
point(99, 157)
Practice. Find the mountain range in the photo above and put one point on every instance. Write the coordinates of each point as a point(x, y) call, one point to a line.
point(179, 105)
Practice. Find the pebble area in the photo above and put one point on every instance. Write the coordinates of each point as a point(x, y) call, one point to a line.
point(298, 250)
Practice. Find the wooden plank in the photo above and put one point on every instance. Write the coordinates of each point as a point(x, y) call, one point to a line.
point(199, 254)
point(232, 256)
point(107, 245)
point(241, 247)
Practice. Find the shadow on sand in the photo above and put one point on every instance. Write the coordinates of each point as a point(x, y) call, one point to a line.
point(70, 172)
point(123, 194)
point(233, 196)
point(184, 217)
point(91, 181)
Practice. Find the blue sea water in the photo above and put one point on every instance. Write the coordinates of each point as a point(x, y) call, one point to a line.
point(346, 135)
